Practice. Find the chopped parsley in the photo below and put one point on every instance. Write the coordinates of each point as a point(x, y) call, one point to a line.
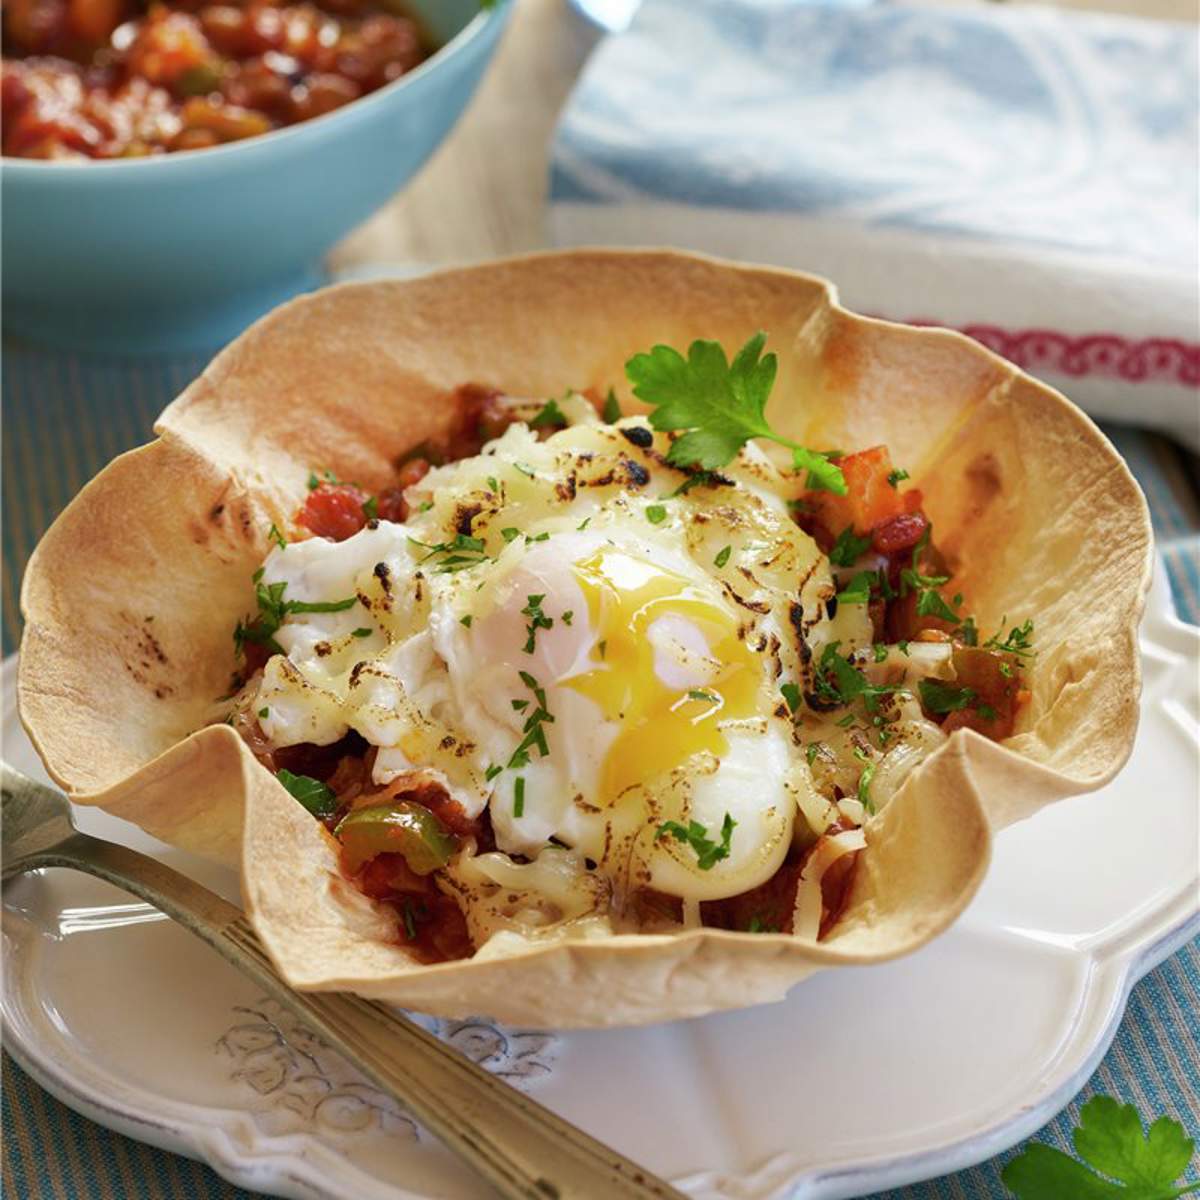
point(932, 603)
point(537, 620)
point(708, 852)
point(858, 590)
point(465, 621)
point(273, 609)
point(525, 469)
point(811, 751)
point(544, 536)
point(1019, 640)
point(848, 548)
point(703, 694)
point(567, 617)
point(897, 476)
point(720, 405)
point(510, 534)
point(656, 514)
point(723, 556)
point(410, 925)
point(864, 780)
point(459, 555)
point(550, 414)
point(757, 926)
point(492, 772)
point(583, 524)
point(938, 697)
point(969, 632)
point(612, 408)
point(371, 508)
point(791, 694)
point(880, 651)
point(360, 633)
point(263, 713)
point(602, 648)
point(316, 796)
point(838, 681)
point(700, 479)
point(274, 535)
point(519, 793)
point(535, 736)
point(315, 482)
point(493, 483)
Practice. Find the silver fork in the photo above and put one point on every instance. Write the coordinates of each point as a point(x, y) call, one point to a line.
point(521, 1148)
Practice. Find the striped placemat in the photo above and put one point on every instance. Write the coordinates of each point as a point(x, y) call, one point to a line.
point(65, 416)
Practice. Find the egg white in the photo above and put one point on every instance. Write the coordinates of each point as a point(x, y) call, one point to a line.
point(427, 664)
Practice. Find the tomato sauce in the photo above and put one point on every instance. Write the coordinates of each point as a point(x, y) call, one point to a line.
point(85, 79)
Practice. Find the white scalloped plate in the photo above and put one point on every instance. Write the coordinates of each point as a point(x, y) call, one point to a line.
point(861, 1080)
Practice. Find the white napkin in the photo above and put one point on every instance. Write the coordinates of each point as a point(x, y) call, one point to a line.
point(1026, 175)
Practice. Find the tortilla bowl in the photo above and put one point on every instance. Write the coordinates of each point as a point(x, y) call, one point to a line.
point(131, 597)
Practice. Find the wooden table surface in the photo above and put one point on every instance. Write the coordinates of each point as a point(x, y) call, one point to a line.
point(484, 192)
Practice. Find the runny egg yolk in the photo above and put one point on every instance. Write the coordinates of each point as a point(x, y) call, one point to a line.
point(650, 622)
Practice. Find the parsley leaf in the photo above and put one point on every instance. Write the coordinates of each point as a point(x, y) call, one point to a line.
point(838, 681)
point(459, 555)
point(858, 590)
point(940, 698)
point(316, 796)
point(791, 694)
point(1111, 1142)
point(722, 556)
point(656, 513)
point(823, 475)
point(848, 548)
point(1019, 640)
point(273, 608)
point(720, 405)
point(864, 781)
point(537, 620)
point(550, 414)
point(931, 603)
point(708, 852)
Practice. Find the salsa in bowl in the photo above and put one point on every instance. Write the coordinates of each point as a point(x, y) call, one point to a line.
point(169, 251)
point(122, 79)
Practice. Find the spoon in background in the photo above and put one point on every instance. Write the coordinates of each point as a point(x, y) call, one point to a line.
point(524, 1150)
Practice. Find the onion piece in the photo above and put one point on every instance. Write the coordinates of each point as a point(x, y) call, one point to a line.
point(806, 917)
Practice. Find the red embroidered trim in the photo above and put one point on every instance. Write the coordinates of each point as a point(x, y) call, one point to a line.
point(1150, 360)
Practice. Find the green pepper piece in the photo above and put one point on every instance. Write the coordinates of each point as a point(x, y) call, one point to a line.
point(399, 827)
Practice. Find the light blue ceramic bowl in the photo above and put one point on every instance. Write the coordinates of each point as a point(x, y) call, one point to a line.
point(182, 251)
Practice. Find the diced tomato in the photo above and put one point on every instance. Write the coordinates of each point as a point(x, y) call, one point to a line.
point(899, 533)
point(903, 622)
point(387, 874)
point(334, 510)
point(428, 922)
point(995, 679)
point(95, 20)
point(870, 499)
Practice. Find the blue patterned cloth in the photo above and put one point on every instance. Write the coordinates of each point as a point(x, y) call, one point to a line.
point(65, 416)
point(1024, 174)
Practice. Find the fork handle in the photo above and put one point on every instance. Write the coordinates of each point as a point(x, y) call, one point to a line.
point(523, 1149)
